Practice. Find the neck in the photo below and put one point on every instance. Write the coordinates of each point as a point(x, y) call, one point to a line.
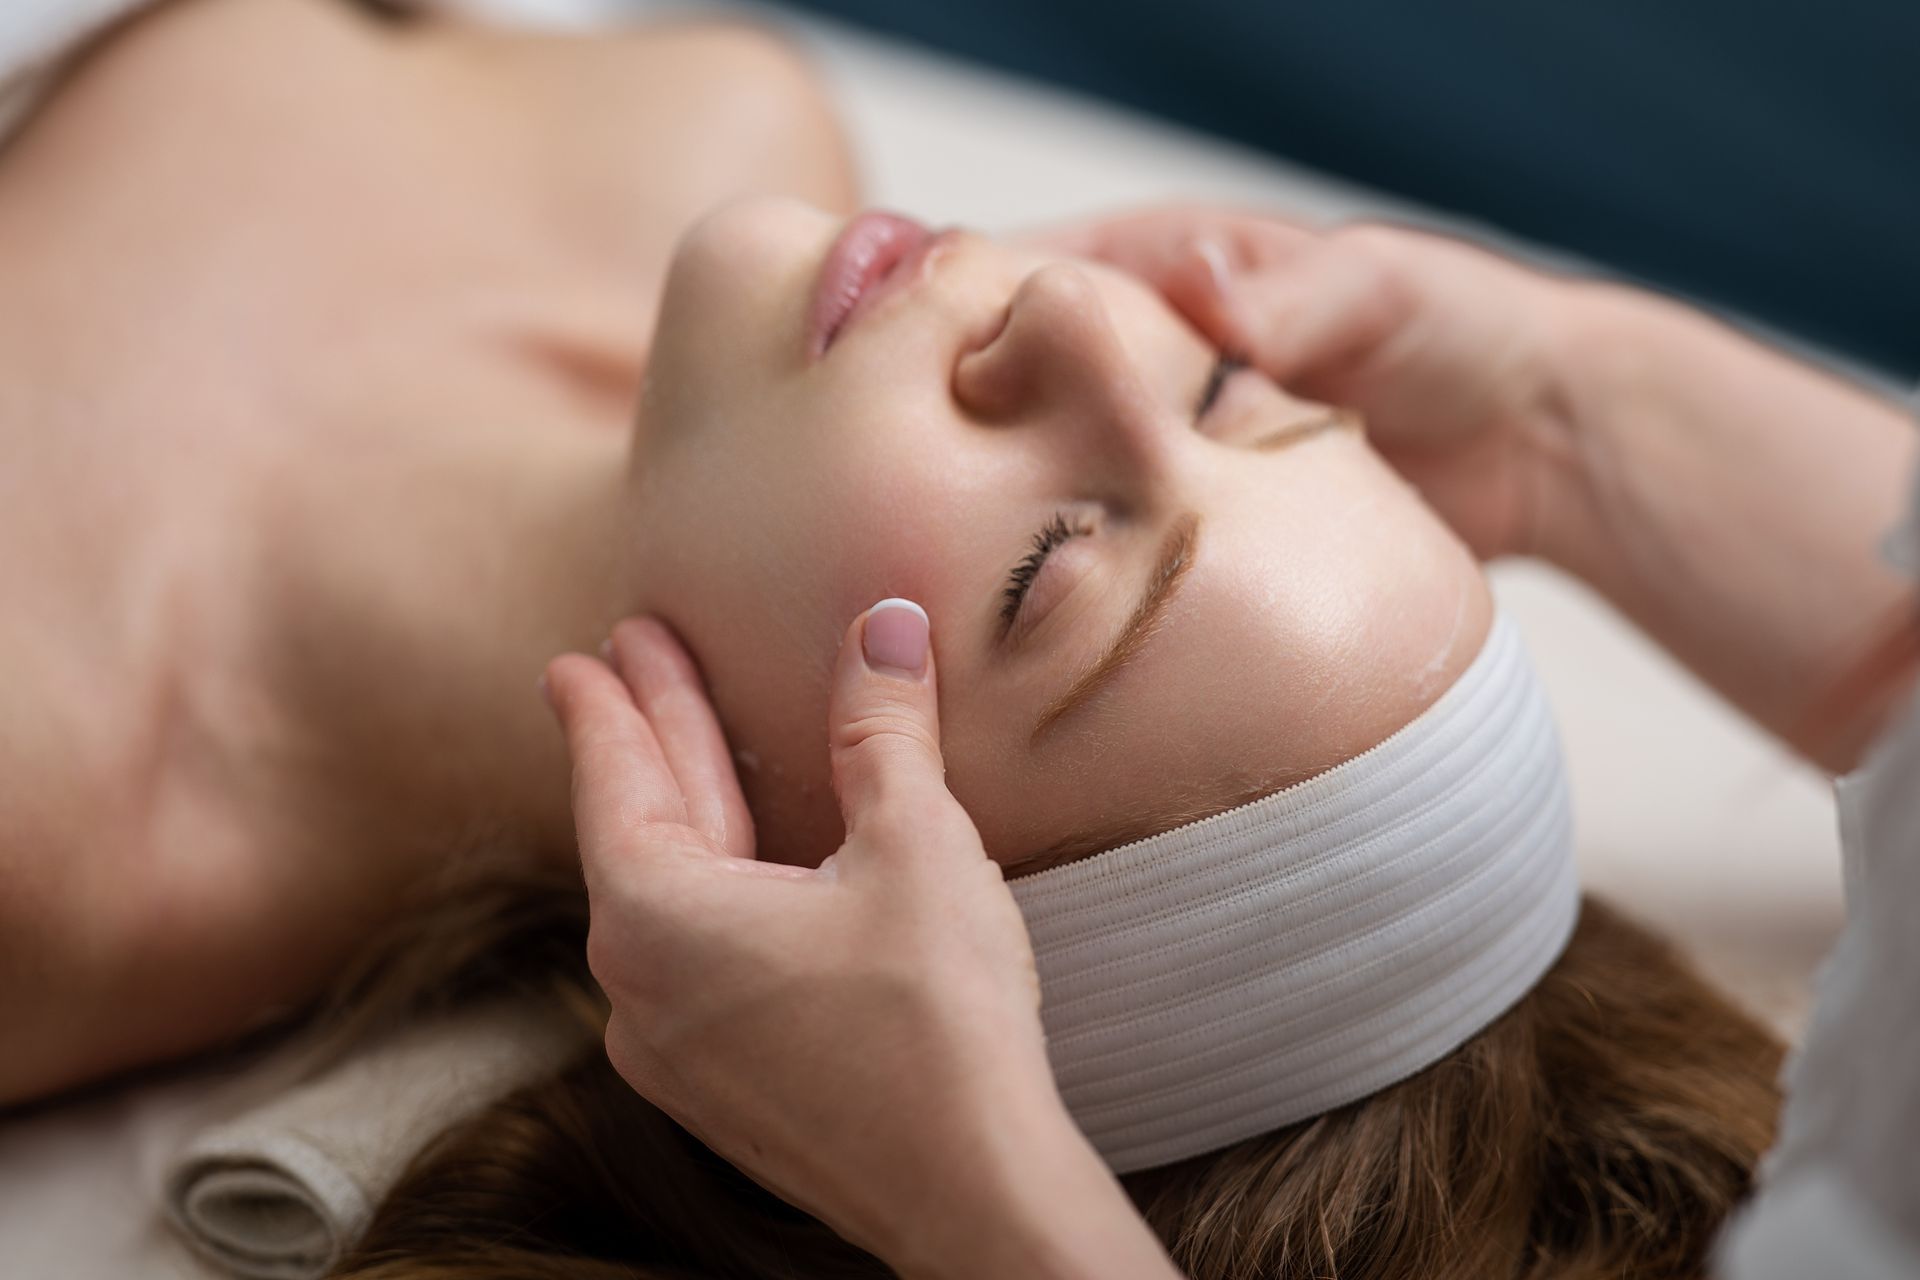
point(449, 609)
point(565, 576)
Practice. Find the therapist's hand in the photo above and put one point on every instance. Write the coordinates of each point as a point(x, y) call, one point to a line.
point(863, 1039)
point(1453, 356)
point(1729, 500)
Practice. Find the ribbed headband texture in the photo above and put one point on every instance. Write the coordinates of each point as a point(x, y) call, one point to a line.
point(1300, 952)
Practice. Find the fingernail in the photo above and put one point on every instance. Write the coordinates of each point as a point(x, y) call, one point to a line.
point(1213, 255)
point(606, 649)
point(894, 638)
point(546, 689)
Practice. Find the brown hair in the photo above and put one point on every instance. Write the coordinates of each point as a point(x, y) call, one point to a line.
point(1603, 1127)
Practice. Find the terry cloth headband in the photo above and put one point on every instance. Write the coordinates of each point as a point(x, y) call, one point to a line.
point(1300, 952)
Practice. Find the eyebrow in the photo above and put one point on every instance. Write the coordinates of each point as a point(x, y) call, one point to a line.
point(1294, 433)
point(1176, 557)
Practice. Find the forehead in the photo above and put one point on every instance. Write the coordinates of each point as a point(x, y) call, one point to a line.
point(1306, 632)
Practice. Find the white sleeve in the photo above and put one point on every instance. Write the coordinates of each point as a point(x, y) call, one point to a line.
point(1840, 1193)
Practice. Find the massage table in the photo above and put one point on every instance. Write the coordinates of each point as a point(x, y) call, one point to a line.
point(1688, 816)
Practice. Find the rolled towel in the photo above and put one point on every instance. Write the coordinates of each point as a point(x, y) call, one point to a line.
point(284, 1190)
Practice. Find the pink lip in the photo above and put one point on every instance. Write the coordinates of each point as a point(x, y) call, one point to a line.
point(874, 252)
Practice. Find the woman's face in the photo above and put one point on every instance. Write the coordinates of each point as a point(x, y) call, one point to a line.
point(1229, 601)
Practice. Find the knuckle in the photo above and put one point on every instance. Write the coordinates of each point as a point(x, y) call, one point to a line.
point(1363, 251)
point(605, 956)
point(1371, 255)
point(618, 946)
point(625, 1055)
point(886, 728)
point(906, 818)
point(893, 822)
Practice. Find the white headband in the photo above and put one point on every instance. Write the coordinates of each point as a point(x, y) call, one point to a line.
point(1300, 952)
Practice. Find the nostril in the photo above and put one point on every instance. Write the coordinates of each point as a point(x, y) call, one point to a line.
point(1050, 337)
point(982, 383)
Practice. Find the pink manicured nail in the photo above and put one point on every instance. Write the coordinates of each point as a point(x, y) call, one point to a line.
point(894, 638)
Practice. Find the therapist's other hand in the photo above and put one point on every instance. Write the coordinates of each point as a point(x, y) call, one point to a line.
point(863, 1039)
point(1452, 355)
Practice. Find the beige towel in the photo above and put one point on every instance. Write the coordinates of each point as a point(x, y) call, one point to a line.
point(283, 1191)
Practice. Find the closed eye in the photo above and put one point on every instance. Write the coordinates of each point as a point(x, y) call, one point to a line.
point(1020, 581)
point(1223, 369)
point(1059, 529)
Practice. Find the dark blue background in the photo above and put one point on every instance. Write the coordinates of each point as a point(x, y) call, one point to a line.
point(1764, 155)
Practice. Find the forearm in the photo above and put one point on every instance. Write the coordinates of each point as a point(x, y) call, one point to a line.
point(1732, 502)
point(1045, 1208)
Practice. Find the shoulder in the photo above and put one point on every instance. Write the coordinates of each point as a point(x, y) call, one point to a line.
point(37, 37)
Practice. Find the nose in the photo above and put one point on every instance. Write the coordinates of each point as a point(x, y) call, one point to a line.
point(1059, 365)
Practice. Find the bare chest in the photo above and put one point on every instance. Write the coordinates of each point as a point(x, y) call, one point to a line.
point(262, 258)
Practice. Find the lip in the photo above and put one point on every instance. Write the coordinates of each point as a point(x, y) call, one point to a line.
point(876, 253)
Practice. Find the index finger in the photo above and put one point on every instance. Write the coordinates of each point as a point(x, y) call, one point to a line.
point(674, 703)
point(621, 780)
point(1157, 242)
point(1203, 262)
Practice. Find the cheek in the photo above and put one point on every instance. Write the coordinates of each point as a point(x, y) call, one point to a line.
point(888, 520)
point(729, 560)
point(770, 566)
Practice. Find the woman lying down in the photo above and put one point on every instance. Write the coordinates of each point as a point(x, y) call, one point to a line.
point(355, 367)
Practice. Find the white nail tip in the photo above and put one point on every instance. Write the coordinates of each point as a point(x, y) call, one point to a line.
point(899, 602)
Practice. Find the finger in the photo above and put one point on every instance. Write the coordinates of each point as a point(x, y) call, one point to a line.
point(1185, 266)
point(621, 780)
point(1203, 277)
point(1077, 239)
point(1153, 243)
point(672, 697)
point(884, 722)
point(1197, 280)
point(1243, 280)
point(1304, 322)
point(1146, 242)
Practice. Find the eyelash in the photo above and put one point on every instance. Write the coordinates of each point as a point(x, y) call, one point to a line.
point(1058, 529)
point(1223, 369)
point(1020, 581)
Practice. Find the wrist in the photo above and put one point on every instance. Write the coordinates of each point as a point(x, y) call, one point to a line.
point(1606, 345)
point(1031, 1198)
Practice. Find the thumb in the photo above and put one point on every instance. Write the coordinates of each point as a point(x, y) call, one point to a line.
point(883, 723)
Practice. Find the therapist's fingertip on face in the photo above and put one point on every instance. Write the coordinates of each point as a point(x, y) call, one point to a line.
point(894, 639)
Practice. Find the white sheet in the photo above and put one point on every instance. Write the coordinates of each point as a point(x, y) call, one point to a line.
point(1686, 814)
